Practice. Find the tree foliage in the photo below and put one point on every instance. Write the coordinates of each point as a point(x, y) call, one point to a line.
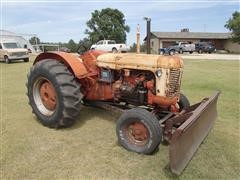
point(233, 24)
point(84, 45)
point(72, 45)
point(133, 47)
point(34, 40)
point(107, 24)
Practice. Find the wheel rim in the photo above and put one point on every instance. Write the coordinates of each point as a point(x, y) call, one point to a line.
point(44, 96)
point(137, 133)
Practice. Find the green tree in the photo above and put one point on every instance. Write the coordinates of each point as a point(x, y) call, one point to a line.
point(34, 40)
point(107, 24)
point(72, 45)
point(84, 45)
point(233, 24)
point(133, 48)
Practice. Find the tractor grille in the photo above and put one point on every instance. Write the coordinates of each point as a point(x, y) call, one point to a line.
point(173, 87)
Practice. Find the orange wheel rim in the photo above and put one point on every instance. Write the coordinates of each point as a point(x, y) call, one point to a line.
point(48, 95)
point(137, 133)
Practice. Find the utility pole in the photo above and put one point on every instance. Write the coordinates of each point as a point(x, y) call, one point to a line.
point(148, 34)
point(138, 39)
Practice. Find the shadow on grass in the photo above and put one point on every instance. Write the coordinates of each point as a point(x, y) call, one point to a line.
point(13, 62)
point(168, 173)
point(89, 113)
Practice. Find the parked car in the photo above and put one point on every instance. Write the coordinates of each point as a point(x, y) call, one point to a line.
point(10, 50)
point(110, 46)
point(206, 47)
point(179, 47)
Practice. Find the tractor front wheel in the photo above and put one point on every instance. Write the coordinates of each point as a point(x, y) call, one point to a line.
point(53, 93)
point(138, 130)
point(183, 102)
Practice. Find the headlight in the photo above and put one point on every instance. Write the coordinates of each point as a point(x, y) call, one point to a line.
point(159, 73)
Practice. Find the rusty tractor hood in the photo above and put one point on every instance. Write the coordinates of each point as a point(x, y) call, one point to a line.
point(138, 61)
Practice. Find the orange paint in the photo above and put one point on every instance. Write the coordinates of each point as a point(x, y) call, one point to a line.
point(73, 62)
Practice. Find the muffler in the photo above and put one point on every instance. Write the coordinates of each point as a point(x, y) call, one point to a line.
point(189, 135)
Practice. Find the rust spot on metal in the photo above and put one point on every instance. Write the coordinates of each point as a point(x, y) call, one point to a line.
point(137, 133)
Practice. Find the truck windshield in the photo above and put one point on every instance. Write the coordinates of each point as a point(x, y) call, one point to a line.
point(11, 45)
point(111, 42)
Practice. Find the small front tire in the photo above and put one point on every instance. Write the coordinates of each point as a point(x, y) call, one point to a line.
point(138, 130)
point(183, 102)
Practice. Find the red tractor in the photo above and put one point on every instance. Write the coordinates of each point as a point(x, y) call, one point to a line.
point(145, 88)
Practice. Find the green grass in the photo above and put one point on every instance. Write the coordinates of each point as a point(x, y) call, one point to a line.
point(89, 150)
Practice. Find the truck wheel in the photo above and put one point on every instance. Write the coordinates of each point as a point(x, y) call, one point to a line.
point(7, 60)
point(53, 93)
point(114, 50)
point(26, 60)
point(138, 130)
point(171, 52)
point(183, 102)
point(191, 52)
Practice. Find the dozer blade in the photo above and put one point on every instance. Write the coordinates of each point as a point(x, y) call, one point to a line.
point(188, 136)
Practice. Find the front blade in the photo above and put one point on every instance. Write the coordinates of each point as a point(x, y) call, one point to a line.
point(186, 139)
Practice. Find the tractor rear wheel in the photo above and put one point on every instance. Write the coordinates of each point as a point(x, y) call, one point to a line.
point(53, 93)
point(138, 130)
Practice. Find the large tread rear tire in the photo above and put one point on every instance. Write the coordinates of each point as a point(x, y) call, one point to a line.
point(142, 117)
point(67, 93)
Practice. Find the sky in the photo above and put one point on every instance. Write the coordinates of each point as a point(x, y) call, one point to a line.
point(60, 21)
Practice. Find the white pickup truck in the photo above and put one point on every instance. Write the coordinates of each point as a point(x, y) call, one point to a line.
point(110, 46)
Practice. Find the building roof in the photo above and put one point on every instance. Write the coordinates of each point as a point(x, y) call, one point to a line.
point(191, 35)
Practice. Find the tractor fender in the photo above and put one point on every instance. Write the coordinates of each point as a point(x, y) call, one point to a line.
point(73, 62)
